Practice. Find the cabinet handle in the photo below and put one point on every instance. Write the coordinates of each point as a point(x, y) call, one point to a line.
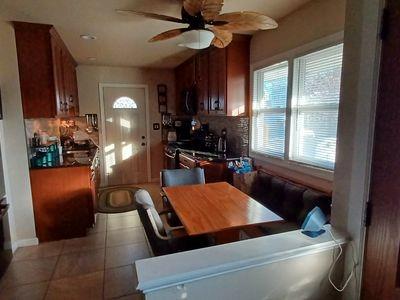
point(71, 98)
point(184, 166)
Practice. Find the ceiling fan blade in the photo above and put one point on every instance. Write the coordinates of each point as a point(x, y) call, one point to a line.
point(168, 35)
point(210, 9)
point(151, 16)
point(192, 7)
point(245, 21)
point(222, 37)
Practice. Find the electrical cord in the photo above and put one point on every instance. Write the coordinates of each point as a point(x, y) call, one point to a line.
point(334, 264)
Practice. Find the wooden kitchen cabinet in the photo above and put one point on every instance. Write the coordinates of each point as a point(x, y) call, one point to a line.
point(47, 72)
point(213, 171)
point(202, 82)
point(217, 81)
point(238, 76)
point(185, 79)
point(62, 202)
point(221, 77)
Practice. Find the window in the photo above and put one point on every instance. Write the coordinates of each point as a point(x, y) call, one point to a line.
point(125, 102)
point(306, 132)
point(315, 104)
point(269, 110)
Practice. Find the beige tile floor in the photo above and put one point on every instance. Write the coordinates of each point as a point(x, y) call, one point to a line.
point(98, 266)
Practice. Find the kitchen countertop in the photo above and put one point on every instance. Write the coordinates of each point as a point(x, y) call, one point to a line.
point(208, 156)
point(77, 159)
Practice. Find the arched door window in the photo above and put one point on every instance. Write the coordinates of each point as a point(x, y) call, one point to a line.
point(125, 102)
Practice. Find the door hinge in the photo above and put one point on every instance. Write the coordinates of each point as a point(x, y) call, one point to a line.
point(368, 214)
point(385, 24)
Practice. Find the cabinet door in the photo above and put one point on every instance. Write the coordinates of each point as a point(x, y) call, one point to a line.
point(70, 85)
point(35, 65)
point(237, 74)
point(217, 81)
point(185, 78)
point(179, 87)
point(58, 71)
point(202, 82)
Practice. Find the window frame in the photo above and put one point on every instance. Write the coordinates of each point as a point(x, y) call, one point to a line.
point(260, 91)
point(290, 56)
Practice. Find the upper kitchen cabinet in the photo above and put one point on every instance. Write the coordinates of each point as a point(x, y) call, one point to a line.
point(185, 79)
point(47, 72)
point(202, 83)
point(221, 80)
point(217, 67)
point(237, 80)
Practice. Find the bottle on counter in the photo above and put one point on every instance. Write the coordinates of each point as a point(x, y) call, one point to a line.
point(35, 142)
point(44, 138)
point(60, 153)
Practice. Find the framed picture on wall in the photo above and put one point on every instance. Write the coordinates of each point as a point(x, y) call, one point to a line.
point(162, 108)
point(162, 89)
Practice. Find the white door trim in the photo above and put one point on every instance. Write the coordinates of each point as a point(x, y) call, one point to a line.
point(103, 123)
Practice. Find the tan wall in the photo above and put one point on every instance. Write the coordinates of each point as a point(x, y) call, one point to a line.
point(317, 19)
point(15, 158)
point(89, 78)
point(314, 21)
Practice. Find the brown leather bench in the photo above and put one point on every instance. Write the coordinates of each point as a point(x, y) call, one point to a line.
point(288, 199)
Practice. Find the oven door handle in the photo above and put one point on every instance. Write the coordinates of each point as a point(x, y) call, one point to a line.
point(169, 155)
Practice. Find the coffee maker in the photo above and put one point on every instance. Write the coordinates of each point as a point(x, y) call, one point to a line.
point(222, 142)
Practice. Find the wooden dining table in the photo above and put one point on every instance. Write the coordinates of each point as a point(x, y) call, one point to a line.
point(218, 208)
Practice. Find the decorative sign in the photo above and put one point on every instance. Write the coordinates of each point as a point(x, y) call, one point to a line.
point(162, 98)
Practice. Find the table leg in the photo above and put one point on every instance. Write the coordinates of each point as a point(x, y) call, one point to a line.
point(227, 236)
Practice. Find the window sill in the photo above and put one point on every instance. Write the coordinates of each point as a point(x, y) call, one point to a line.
point(293, 166)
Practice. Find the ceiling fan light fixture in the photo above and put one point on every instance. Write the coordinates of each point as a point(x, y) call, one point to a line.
point(88, 37)
point(197, 39)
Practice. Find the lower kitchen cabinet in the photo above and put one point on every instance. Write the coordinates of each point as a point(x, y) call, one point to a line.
point(62, 202)
point(213, 171)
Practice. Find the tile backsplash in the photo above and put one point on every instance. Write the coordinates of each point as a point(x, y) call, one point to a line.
point(237, 131)
point(54, 127)
point(51, 126)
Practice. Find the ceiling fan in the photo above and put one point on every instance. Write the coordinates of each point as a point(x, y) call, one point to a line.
point(206, 25)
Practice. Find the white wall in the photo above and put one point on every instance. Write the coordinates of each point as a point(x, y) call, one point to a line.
point(303, 277)
point(15, 159)
point(355, 132)
point(315, 20)
point(89, 78)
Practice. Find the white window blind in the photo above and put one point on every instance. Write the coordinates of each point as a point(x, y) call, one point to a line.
point(269, 110)
point(315, 103)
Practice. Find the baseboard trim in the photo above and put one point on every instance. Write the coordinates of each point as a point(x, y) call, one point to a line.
point(24, 243)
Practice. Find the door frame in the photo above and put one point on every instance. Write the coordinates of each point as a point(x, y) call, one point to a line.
point(103, 124)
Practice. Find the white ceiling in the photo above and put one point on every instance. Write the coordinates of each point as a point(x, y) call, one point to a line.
point(122, 40)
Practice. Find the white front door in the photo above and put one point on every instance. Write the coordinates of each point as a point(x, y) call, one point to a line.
point(124, 134)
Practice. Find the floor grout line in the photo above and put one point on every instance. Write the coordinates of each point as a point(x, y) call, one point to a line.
point(137, 241)
point(54, 271)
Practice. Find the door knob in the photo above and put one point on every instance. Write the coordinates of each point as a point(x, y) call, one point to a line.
point(143, 137)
